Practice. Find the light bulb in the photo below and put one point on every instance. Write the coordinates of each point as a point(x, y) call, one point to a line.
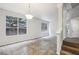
point(29, 16)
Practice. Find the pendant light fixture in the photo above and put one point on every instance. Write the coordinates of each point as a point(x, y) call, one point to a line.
point(29, 16)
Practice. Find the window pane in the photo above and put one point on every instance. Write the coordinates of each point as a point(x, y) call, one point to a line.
point(22, 23)
point(22, 31)
point(11, 21)
point(11, 25)
point(11, 31)
point(43, 26)
point(22, 26)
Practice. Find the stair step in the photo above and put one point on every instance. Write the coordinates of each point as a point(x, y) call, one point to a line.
point(73, 40)
point(66, 53)
point(70, 49)
point(76, 45)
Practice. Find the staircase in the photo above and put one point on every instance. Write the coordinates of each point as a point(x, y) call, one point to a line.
point(69, 47)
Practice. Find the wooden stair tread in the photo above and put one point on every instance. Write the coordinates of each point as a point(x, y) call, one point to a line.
point(72, 48)
point(72, 40)
point(66, 53)
point(76, 45)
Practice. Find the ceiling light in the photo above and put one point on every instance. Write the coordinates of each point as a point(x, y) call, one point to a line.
point(29, 16)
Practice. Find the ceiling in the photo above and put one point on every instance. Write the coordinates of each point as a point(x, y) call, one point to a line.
point(45, 11)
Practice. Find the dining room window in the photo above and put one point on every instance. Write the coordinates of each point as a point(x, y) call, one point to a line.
point(44, 27)
point(15, 25)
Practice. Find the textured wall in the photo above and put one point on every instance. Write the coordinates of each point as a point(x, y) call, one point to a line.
point(71, 20)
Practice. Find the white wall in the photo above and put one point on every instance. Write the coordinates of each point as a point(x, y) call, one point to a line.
point(53, 27)
point(53, 23)
point(33, 28)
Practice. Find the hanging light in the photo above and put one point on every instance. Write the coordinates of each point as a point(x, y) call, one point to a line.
point(29, 16)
